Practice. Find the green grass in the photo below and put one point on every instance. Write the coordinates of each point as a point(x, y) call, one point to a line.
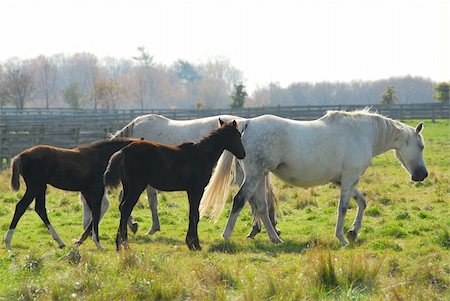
point(402, 252)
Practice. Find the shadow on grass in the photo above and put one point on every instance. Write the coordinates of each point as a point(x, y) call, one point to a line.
point(146, 239)
point(288, 246)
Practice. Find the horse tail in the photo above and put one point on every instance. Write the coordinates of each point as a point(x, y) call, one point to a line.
point(16, 168)
point(218, 189)
point(112, 175)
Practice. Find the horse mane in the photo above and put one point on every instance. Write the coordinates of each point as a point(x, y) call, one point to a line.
point(387, 127)
point(214, 133)
point(127, 131)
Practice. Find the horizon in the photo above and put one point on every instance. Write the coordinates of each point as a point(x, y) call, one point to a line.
point(281, 42)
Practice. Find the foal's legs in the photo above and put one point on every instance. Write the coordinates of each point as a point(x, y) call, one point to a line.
point(21, 207)
point(40, 209)
point(192, 240)
point(153, 204)
point(361, 202)
point(131, 197)
point(93, 200)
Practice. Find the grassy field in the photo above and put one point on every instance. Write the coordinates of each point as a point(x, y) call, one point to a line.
point(402, 252)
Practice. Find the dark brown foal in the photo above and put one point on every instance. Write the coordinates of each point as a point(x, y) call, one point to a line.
point(186, 167)
point(79, 169)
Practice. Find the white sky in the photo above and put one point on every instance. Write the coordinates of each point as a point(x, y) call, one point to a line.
point(280, 41)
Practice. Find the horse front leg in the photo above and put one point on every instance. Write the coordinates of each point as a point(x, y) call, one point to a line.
point(361, 202)
point(346, 193)
point(192, 240)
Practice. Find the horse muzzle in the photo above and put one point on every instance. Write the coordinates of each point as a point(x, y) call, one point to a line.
point(419, 174)
point(241, 155)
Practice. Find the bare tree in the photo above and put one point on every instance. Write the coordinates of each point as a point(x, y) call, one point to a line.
point(86, 73)
point(45, 77)
point(108, 93)
point(17, 83)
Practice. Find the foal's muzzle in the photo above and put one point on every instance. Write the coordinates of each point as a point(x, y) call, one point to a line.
point(420, 174)
point(241, 155)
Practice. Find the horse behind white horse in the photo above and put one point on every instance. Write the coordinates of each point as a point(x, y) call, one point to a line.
point(167, 131)
point(336, 148)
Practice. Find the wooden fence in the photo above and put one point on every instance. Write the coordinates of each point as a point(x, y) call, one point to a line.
point(20, 129)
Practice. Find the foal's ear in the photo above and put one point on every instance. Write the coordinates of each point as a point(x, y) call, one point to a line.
point(234, 123)
point(419, 128)
point(221, 122)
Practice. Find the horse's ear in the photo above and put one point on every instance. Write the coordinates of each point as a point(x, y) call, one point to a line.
point(419, 128)
point(234, 123)
point(221, 122)
point(142, 138)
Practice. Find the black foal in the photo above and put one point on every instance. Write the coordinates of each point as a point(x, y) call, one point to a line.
point(186, 167)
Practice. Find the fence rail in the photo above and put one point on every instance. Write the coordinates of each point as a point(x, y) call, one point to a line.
point(20, 129)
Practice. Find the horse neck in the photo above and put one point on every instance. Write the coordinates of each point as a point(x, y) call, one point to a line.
point(212, 147)
point(384, 133)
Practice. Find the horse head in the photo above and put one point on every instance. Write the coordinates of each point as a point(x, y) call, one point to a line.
point(409, 153)
point(233, 142)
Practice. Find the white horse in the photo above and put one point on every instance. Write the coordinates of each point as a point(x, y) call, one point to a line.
point(164, 130)
point(336, 148)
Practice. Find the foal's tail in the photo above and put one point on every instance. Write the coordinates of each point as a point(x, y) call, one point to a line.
point(16, 167)
point(112, 175)
point(218, 189)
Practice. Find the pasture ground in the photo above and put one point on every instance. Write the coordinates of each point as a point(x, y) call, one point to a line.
point(402, 252)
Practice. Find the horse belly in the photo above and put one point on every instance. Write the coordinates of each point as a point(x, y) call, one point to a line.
point(306, 176)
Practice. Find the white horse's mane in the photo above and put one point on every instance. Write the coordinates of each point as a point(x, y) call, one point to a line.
point(387, 127)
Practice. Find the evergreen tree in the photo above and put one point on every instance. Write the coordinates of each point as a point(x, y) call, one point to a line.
point(442, 92)
point(238, 96)
point(388, 97)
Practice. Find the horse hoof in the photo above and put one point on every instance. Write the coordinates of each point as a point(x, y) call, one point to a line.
point(254, 232)
point(62, 246)
point(126, 246)
point(134, 227)
point(351, 236)
point(153, 231)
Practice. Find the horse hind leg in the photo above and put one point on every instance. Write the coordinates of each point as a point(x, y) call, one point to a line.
point(256, 221)
point(21, 207)
point(153, 204)
point(346, 192)
point(361, 202)
point(42, 212)
point(134, 226)
point(265, 189)
point(248, 189)
point(131, 197)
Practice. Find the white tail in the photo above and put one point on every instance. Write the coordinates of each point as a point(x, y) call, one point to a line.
point(218, 189)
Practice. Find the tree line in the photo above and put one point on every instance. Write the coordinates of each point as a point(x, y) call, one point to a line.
point(82, 80)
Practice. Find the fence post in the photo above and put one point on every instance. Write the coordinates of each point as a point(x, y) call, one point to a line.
point(432, 114)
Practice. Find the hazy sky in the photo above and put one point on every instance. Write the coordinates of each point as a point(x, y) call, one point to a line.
point(279, 41)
